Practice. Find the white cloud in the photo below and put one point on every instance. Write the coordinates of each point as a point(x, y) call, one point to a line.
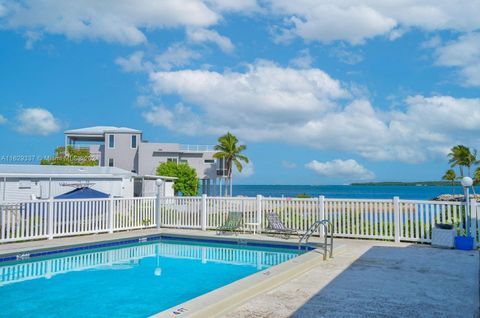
point(121, 21)
point(245, 6)
point(247, 171)
point(356, 22)
point(302, 60)
point(342, 169)
point(180, 118)
point(463, 54)
point(346, 56)
point(200, 35)
point(288, 164)
point(3, 120)
point(308, 107)
point(176, 55)
point(263, 92)
point(134, 62)
point(31, 37)
point(36, 121)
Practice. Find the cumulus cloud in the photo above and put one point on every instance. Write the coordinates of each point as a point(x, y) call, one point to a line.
point(302, 60)
point(200, 35)
point(176, 55)
point(3, 120)
point(245, 6)
point(121, 21)
point(134, 62)
point(247, 171)
point(356, 22)
point(463, 54)
point(289, 165)
point(307, 106)
point(36, 121)
point(342, 169)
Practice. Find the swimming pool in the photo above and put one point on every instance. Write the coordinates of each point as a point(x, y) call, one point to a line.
point(134, 280)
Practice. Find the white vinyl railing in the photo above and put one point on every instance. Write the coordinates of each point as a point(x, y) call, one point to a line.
point(395, 219)
point(55, 218)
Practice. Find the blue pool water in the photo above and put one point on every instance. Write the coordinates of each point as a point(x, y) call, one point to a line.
point(129, 281)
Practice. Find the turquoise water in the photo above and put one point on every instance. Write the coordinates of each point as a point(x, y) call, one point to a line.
point(131, 281)
point(347, 191)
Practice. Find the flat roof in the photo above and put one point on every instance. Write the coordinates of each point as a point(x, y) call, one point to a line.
point(12, 170)
point(100, 130)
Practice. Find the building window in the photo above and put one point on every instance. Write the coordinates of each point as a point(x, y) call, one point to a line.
point(111, 141)
point(183, 161)
point(172, 160)
point(209, 161)
point(111, 162)
point(134, 141)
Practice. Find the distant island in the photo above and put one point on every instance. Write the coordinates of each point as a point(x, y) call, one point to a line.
point(417, 183)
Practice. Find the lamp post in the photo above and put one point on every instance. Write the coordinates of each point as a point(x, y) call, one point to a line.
point(467, 182)
point(159, 184)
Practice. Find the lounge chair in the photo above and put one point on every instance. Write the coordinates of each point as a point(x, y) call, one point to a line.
point(275, 226)
point(232, 224)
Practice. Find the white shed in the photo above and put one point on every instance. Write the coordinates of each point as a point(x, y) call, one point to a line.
point(27, 182)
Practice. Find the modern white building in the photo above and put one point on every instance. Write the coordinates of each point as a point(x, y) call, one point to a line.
point(125, 148)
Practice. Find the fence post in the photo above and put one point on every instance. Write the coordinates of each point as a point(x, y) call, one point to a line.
point(321, 211)
point(259, 212)
point(50, 219)
point(203, 212)
point(396, 218)
point(473, 220)
point(110, 215)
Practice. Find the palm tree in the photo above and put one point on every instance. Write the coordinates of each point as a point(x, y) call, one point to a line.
point(476, 176)
point(228, 150)
point(450, 176)
point(461, 156)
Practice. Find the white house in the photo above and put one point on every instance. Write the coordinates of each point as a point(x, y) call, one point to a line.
point(27, 182)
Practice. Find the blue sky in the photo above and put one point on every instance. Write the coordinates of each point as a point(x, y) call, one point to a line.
point(322, 92)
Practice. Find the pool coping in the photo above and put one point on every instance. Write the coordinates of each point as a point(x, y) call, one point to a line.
point(225, 298)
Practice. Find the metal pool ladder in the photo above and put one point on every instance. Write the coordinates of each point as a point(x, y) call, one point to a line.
point(327, 230)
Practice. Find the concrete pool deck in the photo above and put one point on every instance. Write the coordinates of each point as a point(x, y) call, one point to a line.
point(367, 279)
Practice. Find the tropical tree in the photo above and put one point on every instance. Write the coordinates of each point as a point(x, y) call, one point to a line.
point(461, 157)
point(228, 150)
point(450, 176)
point(187, 180)
point(70, 157)
point(476, 176)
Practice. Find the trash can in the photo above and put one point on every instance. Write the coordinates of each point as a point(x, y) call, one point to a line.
point(443, 236)
point(464, 243)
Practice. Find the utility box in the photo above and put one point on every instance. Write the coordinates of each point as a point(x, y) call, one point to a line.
point(443, 236)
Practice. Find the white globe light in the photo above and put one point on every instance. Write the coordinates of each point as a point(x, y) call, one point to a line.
point(159, 182)
point(467, 182)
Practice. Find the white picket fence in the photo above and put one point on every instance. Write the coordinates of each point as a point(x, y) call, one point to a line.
point(395, 219)
point(21, 221)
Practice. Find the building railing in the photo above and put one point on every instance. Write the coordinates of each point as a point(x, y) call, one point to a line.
point(395, 219)
point(196, 148)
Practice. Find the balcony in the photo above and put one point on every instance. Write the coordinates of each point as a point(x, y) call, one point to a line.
point(197, 148)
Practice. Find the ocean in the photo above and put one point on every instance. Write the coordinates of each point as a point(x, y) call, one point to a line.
point(346, 191)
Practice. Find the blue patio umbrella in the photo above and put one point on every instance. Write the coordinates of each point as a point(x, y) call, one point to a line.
point(83, 193)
